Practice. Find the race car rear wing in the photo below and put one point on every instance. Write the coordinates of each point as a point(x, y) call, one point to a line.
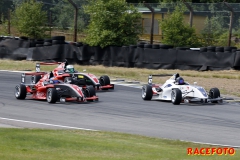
point(45, 63)
point(150, 77)
point(49, 63)
point(23, 76)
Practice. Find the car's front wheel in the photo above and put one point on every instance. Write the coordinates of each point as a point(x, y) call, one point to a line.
point(52, 95)
point(214, 93)
point(147, 92)
point(20, 91)
point(90, 92)
point(104, 80)
point(176, 96)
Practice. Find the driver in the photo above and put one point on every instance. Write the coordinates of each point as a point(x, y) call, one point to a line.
point(69, 69)
point(180, 81)
point(53, 80)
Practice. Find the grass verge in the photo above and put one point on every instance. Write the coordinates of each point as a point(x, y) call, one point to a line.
point(227, 80)
point(19, 144)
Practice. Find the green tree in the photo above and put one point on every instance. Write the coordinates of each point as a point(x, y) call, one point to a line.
point(112, 22)
point(29, 19)
point(63, 14)
point(200, 1)
point(176, 33)
point(212, 30)
point(4, 6)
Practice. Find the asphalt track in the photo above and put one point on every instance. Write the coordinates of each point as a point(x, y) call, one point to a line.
point(123, 110)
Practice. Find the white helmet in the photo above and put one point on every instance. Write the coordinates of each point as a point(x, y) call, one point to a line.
point(70, 68)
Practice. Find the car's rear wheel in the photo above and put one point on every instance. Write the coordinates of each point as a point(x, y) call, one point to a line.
point(52, 95)
point(20, 91)
point(104, 80)
point(214, 93)
point(147, 92)
point(176, 96)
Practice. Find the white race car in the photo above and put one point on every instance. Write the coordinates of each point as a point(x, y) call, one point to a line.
point(178, 91)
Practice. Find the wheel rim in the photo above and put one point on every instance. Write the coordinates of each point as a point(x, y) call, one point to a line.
point(173, 96)
point(49, 97)
point(102, 81)
point(143, 92)
point(87, 93)
point(211, 94)
point(17, 91)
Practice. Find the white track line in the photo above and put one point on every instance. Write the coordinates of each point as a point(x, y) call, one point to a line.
point(46, 124)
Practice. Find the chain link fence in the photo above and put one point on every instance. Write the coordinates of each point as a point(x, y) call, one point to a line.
point(214, 22)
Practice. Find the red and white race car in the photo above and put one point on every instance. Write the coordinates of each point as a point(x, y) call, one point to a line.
point(53, 90)
point(67, 74)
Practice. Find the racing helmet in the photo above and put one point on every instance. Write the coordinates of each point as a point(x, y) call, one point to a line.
point(180, 81)
point(70, 69)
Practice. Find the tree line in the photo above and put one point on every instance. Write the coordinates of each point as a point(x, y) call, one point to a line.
point(114, 22)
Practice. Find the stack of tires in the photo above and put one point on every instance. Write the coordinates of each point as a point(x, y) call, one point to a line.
point(218, 49)
point(39, 42)
point(47, 42)
point(58, 40)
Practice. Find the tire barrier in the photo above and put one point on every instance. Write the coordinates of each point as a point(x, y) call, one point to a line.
point(156, 56)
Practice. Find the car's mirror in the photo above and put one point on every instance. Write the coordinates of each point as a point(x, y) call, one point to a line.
point(84, 70)
point(195, 83)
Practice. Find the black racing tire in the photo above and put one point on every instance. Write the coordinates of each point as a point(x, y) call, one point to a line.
point(219, 49)
point(35, 78)
point(60, 38)
point(147, 45)
point(203, 49)
point(182, 48)
point(165, 46)
point(57, 42)
point(155, 46)
point(39, 45)
point(140, 45)
point(79, 44)
point(20, 91)
point(52, 95)
point(214, 93)
point(23, 38)
point(147, 92)
point(68, 80)
point(48, 40)
point(176, 96)
point(47, 44)
point(104, 80)
point(90, 92)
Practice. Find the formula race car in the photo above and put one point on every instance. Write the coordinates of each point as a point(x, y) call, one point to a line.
point(178, 91)
point(53, 90)
point(67, 74)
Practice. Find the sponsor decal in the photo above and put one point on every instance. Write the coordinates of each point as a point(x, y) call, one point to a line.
point(40, 94)
point(164, 96)
point(210, 151)
point(80, 76)
point(168, 85)
point(202, 91)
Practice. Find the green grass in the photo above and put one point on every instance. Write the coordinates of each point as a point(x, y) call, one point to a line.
point(27, 144)
point(121, 72)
